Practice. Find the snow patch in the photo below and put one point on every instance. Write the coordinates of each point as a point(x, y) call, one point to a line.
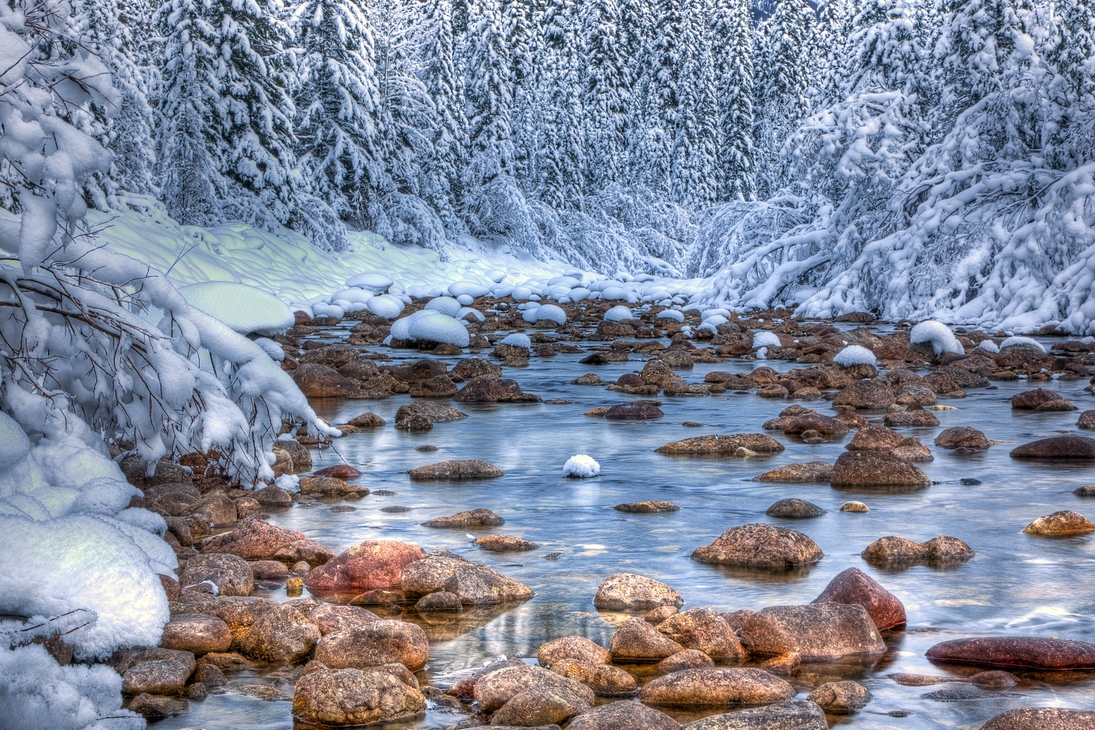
point(516, 340)
point(1018, 341)
point(764, 338)
point(855, 355)
point(619, 313)
point(939, 335)
point(243, 308)
point(581, 466)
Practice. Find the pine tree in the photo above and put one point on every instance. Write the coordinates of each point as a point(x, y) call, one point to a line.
point(636, 37)
point(187, 171)
point(337, 100)
point(692, 181)
point(489, 98)
point(605, 95)
point(663, 97)
point(518, 24)
point(561, 167)
point(731, 38)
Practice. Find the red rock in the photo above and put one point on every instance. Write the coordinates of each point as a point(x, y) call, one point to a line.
point(252, 539)
point(338, 471)
point(853, 586)
point(1019, 652)
point(370, 565)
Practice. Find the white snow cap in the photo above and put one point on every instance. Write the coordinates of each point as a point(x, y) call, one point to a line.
point(370, 281)
point(618, 313)
point(939, 335)
point(445, 305)
point(988, 346)
point(549, 312)
point(581, 466)
point(855, 355)
point(764, 338)
point(469, 288)
point(322, 309)
point(386, 306)
point(243, 308)
point(516, 340)
point(1017, 341)
point(437, 327)
point(496, 275)
point(673, 314)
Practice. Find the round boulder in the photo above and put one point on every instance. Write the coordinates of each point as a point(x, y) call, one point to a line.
point(1057, 447)
point(623, 716)
point(196, 633)
point(794, 509)
point(1016, 652)
point(1042, 718)
point(374, 645)
point(639, 410)
point(370, 565)
point(572, 648)
point(1061, 523)
point(853, 586)
point(962, 437)
point(455, 471)
point(761, 546)
point(230, 573)
point(630, 592)
point(715, 687)
point(871, 469)
point(342, 697)
point(841, 698)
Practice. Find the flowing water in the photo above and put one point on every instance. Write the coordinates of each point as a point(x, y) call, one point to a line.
point(1017, 584)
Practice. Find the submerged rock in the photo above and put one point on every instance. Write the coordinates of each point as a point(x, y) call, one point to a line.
point(456, 471)
point(813, 472)
point(504, 544)
point(1057, 447)
point(469, 518)
point(630, 592)
point(1042, 718)
point(793, 508)
point(719, 445)
point(1016, 652)
point(646, 508)
point(789, 715)
point(639, 410)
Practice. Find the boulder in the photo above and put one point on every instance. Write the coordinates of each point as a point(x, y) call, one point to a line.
point(536, 707)
point(321, 381)
point(604, 680)
point(896, 551)
point(467, 519)
point(646, 507)
point(252, 539)
point(687, 659)
point(819, 632)
point(455, 471)
point(1086, 420)
point(230, 573)
point(824, 425)
point(440, 386)
point(196, 633)
point(914, 418)
point(638, 641)
point(497, 688)
point(159, 677)
point(723, 445)
point(872, 469)
point(309, 551)
point(354, 697)
point(853, 586)
point(494, 390)
point(280, 633)
point(630, 592)
point(962, 437)
point(703, 629)
point(574, 649)
point(639, 410)
point(375, 644)
point(439, 602)
point(789, 715)
point(504, 544)
point(866, 394)
point(1057, 447)
point(1064, 522)
point(156, 707)
point(761, 546)
point(431, 411)
point(841, 698)
point(623, 716)
point(1042, 718)
point(1016, 652)
point(1040, 399)
point(475, 584)
point(331, 487)
point(715, 687)
point(125, 659)
point(464, 688)
point(332, 617)
point(475, 367)
point(794, 509)
point(372, 564)
point(876, 438)
point(812, 472)
point(273, 497)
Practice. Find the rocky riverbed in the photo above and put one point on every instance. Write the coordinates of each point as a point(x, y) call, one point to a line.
point(777, 543)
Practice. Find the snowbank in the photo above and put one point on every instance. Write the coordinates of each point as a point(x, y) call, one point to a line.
point(939, 335)
point(764, 338)
point(1017, 341)
point(619, 313)
point(517, 340)
point(581, 466)
point(243, 308)
point(855, 355)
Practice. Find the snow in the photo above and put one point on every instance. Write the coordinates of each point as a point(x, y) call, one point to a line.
point(855, 355)
point(581, 466)
point(370, 281)
point(271, 348)
point(243, 308)
point(466, 300)
point(468, 288)
point(466, 312)
point(1017, 341)
point(548, 312)
point(672, 314)
point(516, 340)
point(939, 335)
point(618, 313)
point(714, 320)
point(444, 305)
point(988, 346)
point(386, 306)
point(433, 326)
point(765, 338)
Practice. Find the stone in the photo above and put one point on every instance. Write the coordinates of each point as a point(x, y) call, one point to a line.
point(196, 633)
point(1086, 420)
point(321, 381)
point(866, 394)
point(495, 689)
point(455, 471)
point(1040, 399)
point(962, 437)
point(812, 472)
point(715, 687)
point(873, 469)
point(792, 508)
point(841, 698)
point(370, 565)
point(210, 676)
point(354, 697)
point(876, 438)
point(215, 508)
point(703, 629)
point(1060, 523)
point(302, 457)
point(760, 546)
point(467, 519)
point(158, 677)
point(252, 539)
point(604, 680)
point(125, 659)
point(475, 584)
point(156, 707)
point(431, 411)
point(915, 418)
point(494, 390)
point(853, 586)
point(723, 445)
point(504, 544)
point(439, 602)
point(538, 707)
point(819, 632)
point(637, 641)
point(1057, 447)
point(373, 645)
point(824, 425)
point(630, 592)
point(687, 659)
point(789, 715)
point(573, 649)
point(1042, 718)
point(895, 551)
point(1016, 652)
point(332, 617)
point(464, 688)
point(273, 497)
point(623, 716)
point(646, 507)
point(279, 633)
point(311, 552)
point(331, 487)
point(1085, 491)
point(640, 410)
point(230, 573)
point(854, 506)
point(440, 386)
point(475, 367)
point(334, 355)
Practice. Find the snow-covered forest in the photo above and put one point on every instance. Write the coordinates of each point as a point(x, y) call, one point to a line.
point(908, 158)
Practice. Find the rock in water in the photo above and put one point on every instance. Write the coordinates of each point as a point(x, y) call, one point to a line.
point(715, 687)
point(630, 592)
point(718, 445)
point(1042, 718)
point(789, 715)
point(761, 546)
point(355, 697)
point(1057, 447)
point(872, 469)
point(370, 565)
point(841, 698)
point(1061, 523)
point(623, 716)
point(819, 632)
point(853, 586)
point(455, 471)
point(1016, 652)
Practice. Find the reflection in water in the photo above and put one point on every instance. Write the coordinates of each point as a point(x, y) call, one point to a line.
point(1017, 584)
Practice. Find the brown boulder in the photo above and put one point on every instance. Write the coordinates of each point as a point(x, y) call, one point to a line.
point(1042, 718)
point(252, 539)
point(439, 602)
point(504, 544)
point(795, 509)
point(723, 445)
point(873, 469)
point(156, 707)
point(841, 698)
point(640, 410)
point(475, 367)
point(1064, 522)
point(158, 677)
point(876, 438)
point(273, 497)
point(372, 564)
point(892, 551)
point(604, 680)
point(867, 394)
point(196, 633)
point(494, 390)
point(373, 645)
point(914, 418)
point(687, 659)
point(467, 519)
point(788, 715)
point(476, 585)
point(623, 716)
point(332, 617)
point(762, 546)
point(320, 381)
point(853, 586)
point(1040, 399)
point(703, 629)
point(1057, 447)
point(428, 412)
point(812, 472)
point(824, 425)
point(819, 632)
point(630, 592)
point(309, 551)
point(638, 641)
point(231, 574)
point(715, 687)
point(1016, 652)
point(1087, 420)
point(497, 688)
point(962, 437)
point(331, 487)
point(646, 507)
point(455, 471)
point(355, 697)
point(572, 648)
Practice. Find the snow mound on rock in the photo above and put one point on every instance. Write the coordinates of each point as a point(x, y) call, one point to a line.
point(581, 466)
point(468, 288)
point(939, 335)
point(618, 313)
point(1017, 341)
point(855, 355)
point(673, 314)
point(444, 305)
point(243, 308)
point(988, 346)
point(548, 312)
point(764, 338)
point(370, 281)
point(517, 340)
point(433, 326)
point(386, 306)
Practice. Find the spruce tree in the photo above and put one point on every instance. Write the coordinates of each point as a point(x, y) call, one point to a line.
point(561, 166)
point(692, 181)
point(605, 95)
point(731, 40)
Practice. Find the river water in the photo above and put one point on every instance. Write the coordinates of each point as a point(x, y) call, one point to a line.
point(1017, 584)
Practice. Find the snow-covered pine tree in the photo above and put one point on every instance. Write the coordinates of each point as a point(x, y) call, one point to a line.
point(731, 41)
point(781, 82)
point(519, 27)
point(605, 95)
point(560, 159)
point(338, 141)
point(636, 39)
point(692, 155)
point(663, 97)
